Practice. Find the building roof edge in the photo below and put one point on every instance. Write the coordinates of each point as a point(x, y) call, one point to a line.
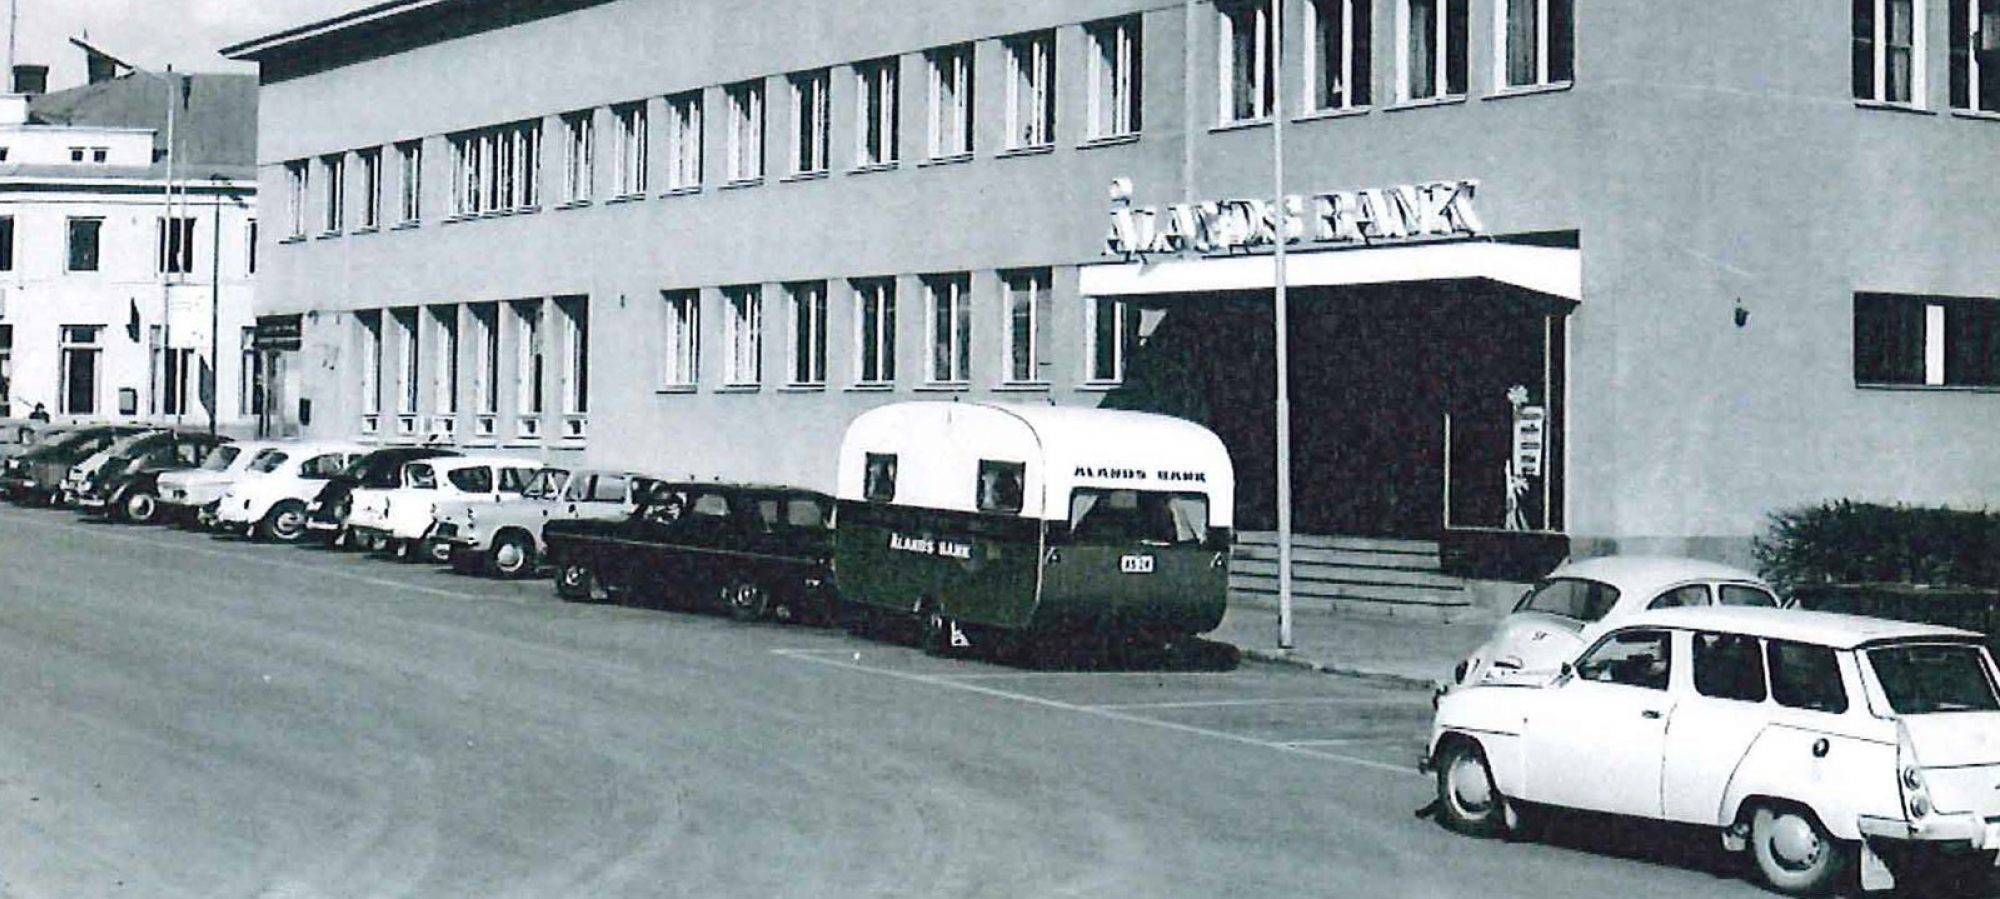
point(255, 48)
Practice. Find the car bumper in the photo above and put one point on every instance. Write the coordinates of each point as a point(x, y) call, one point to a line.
point(1965, 829)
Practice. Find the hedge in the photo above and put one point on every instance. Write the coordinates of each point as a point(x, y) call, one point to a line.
point(1847, 542)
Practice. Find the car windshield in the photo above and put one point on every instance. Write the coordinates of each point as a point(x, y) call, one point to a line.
point(1126, 516)
point(218, 459)
point(546, 483)
point(268, 461)
point(1924, 678)
point(1575, 598)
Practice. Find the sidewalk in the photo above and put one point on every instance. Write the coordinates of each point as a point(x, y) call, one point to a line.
point(1409, 651)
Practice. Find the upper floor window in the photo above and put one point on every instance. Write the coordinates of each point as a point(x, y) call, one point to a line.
point(1116, 75)
point(83, 236)
point(175, 247)
point(746, 130)
point(1975, 54)
point(1432, 55)
point(951, 101)
point(1926, 340)
point(680, 358)
point(371, 187)
point(629, 175)
point(808, 301)
point(1537, 43)
point(876, 132)
point(746, 335)
point(1247, 63)
point(951, 327)
point(1031, 89)
point(684, 141)
point(1888, 51)
point(812, 122)
point(497, 169)
point(333, 170)
point(1341, 39)
point(410, 160)
point(579, 155)
point(875, 321)
point(298, 180)
point(1027, 301)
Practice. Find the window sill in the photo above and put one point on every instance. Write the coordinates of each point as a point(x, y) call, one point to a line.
point(953, 159)
point(678, 388)
point(873, 167)
point(1426, 103)
point(796, 177)
point(1018, 152)
point(802, 388)
point(1887, 106)
point(1529, 90)
point(739, 388)
point(367, 229)
point(740, 183)
point(1345, 112)
point(871, 387)
point(1022, 387)
point(1100, 386)
point(410, 225)
point(1240, 125)
point(1976, 114)
point(328, 235)
point(1109, 140)
point(689, 190)
point(1927, 388)
point(296, 238)
point(944, 387)
point(573, 204)
point(624, 198)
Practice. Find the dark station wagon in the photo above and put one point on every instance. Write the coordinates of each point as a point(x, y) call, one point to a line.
point(754, 550)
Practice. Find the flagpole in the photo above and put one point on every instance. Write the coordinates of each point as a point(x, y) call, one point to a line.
point(1280, 315)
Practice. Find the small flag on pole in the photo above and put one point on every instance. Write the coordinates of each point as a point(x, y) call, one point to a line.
point(132, 323)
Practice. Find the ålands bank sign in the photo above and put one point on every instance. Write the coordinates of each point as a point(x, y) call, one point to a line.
point(1435, 209)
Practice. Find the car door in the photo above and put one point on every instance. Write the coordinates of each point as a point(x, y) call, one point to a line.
point(1595, 739)
point(1714, 725)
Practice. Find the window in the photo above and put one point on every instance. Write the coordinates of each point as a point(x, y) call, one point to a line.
point(808, 302)
point(298, 179)
point(1975, 54)
point(1536, 42)
point(1928, 678)
point(1124, 517)
point(471, 480)
point(875, 320)
point(1926, 340)
point(1112, 327)
point(746, 130)
point(1116, 74)
point(1002, 485)
point(6, 370)
point(1637, 658)
point(444, 362)
point(497, 169)
point(174, 245)
point(1684, 595)
point(684, 141)
point(878, 478)
point(746, 335)
point(1571, 598)
point(1031, 90)
point(333, 175)
point(370, 324)
point(950, 328)
point(83, 234)
point(486, 356)
point(1729, 666)
point(1742, 595)
point(951, 101)
point(1337, 71)
point(1248, 67)
point(421, 475)
point(629, 173)
point(811, 121)
point(1888, 51)
point(876, 134)
point(409, 377)
point(1804, 676)
point(681, 318)
point(410, 164)
point(576, 354)
point(371, 187)
point(528, 358)
point(579, 149)
point(1432, 57)
point(1027, 307)
point(6, 243)
point(80, 347)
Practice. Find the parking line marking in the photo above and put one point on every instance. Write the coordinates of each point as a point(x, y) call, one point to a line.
point(1111, 714)
point(1227, 703)
point(1332, 741)
point(1001, 675)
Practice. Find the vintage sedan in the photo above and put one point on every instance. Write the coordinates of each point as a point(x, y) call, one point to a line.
point(1582, 599)
point(1812, 741)
point(270, 502)
point(37, 476)
point(183, 493)
point(398, 520)
point(503, 538)
point(753, 550)
point(123, 484)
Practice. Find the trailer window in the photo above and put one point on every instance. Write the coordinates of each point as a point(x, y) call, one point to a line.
point(878, 483)
point(1127, 516)
point(1001, 485)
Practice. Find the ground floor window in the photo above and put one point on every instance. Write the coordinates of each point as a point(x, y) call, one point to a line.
point(250, 376)
point(746, 335)
point(808, 332)
point(528, 371)
point(681, 324)
point(1027, 308)
point(1111, 325)
point(951, 328)
point(1932, 341)
point(370, 324)
point(576, 355)
point(486, 364)
point(80, 347)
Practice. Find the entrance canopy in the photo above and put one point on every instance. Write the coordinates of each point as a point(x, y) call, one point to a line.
point(1555, 271)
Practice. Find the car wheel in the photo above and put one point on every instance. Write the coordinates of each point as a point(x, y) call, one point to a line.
point(512, 555)
point(576, 582)
point(285, 523)
point(140, 507)
point(747, 600)
point(1467, 799)
point(375, 543)
point(1794, 853)
point(436, 551)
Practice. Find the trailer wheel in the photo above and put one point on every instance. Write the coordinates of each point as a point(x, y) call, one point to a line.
point(576, 582)
point(747, 600)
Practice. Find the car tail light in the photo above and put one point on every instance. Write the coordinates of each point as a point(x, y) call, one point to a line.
point(1910, 777)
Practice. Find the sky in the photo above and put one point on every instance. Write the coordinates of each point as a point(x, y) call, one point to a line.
point(154, 34)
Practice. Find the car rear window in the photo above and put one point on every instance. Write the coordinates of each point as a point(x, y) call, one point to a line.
point(1921, 679)
point(318, 467)
point(476, 479)
point(1576, 598)
point(1804, 676)
point(1746, 595)
point(219, 458)
point(1684, 595)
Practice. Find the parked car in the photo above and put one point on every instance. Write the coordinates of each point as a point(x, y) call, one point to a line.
point(398, 519)
point(124, 486)
point(503, 538)
point(326, 512)
point(183, 493)
point(1580, 600)
point(36, 476)
point(18, 436)
point(753, 550)
point(1811, 740)
point(269, 503)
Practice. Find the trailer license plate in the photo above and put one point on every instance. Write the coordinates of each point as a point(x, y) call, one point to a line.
point(1135, 564)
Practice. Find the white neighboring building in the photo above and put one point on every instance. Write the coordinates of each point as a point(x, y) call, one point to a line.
point(108, 290)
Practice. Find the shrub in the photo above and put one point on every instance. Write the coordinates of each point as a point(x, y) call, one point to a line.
point(1850, 542)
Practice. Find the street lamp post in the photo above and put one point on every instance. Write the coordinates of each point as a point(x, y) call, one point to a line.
point(215, 307)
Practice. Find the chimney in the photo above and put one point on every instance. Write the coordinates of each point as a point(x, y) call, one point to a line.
point(99, 67)
point(31, 80)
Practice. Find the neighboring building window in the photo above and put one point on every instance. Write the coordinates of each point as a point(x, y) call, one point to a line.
point(1112, 327)
point(444, 362)
point(370, 323)
point(83, 236)
point(333, 172)
point(1925, 340)
point(746, 130)
point(371, 188)
point(680, 364)
point(1432, 56)
point(875, 320)
point(579, 150)
point(298, 179)
point(811, 121)
point(250, 247)
point(1889, 50)
point(410, 164)
point(950, 327)
point(1536, 42)
point(876, 133)
point(1337, 71)
point(746, 335)
point(6, 371)
point(1031, 90)
point(6, 243)
point(408, 362)
point(808, 306)
point(684, 141)
point(576, 354)
point(497, 169)
point(529, 369)
point(630, 173)
point(1248, 66)
point(79, 350)
point(485, 318)
point(174, 366)
point(1975, 54)
point(174, 247)
point(249, 375)
point(1116, 75)
point(951, 101)
point(1027, 308)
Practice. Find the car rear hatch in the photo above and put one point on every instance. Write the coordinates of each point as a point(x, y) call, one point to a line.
point(1944, 695)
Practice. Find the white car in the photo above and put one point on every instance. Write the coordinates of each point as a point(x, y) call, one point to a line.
point(399, 520)
point(270, 501)
point(1580, 600)
point(504, 539)
point(184, 491)
point(1811, 740)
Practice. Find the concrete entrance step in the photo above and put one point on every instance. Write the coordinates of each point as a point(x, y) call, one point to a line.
point(1377, 575)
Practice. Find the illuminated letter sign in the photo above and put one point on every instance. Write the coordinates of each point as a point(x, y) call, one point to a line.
point(1434, 209)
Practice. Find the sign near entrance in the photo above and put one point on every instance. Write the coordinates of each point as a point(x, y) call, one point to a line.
point(1528, 441)
point(1400, 212)
point(278, 332)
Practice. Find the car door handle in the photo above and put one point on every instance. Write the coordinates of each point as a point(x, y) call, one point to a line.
point(1650, 713)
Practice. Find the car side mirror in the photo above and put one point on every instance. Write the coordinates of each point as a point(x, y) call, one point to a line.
point(1564, 674)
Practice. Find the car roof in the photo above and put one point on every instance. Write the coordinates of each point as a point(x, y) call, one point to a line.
point(738, 487)
point(1647, 574)
point(453, 463)
point(1820, 628)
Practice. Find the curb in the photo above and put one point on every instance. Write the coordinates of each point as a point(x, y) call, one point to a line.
point(1290, 658)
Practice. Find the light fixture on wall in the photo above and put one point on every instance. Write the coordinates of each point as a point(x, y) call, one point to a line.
point(1742, 314)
